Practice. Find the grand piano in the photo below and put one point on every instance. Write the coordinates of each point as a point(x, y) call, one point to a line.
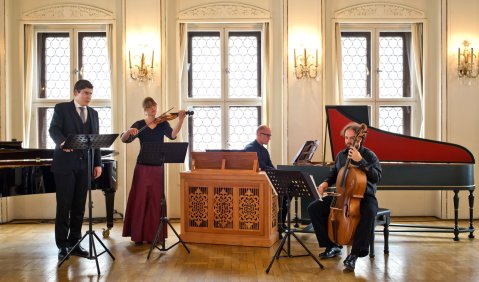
point(408, 163)
point(27, 172)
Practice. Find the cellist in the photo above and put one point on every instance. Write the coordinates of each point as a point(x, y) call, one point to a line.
point(319, 210)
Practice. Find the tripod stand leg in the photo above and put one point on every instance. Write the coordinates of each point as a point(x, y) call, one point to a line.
point(307, 250)
point(278, 251)
point(157, 235)
point(94, 255)
point(104, 247)
point(178, 236)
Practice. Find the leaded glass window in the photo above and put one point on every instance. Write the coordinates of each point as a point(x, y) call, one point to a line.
point(376, 72)
point(224, 88)
point(63, 57)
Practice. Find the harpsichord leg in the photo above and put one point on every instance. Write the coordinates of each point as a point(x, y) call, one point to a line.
point(456, 214)
point(471, 213)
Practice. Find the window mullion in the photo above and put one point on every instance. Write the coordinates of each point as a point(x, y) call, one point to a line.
point(224, 87)
point(377, 70)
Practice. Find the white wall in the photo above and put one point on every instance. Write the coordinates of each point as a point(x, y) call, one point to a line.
point(305, 96)
point(2, 69)
point(142, 26)
point(461, 100)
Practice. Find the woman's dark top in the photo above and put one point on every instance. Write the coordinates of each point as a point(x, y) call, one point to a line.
point(156, 134)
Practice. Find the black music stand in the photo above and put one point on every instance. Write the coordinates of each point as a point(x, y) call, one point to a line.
point(159, 153)
point(89, 142)
point(291, 184)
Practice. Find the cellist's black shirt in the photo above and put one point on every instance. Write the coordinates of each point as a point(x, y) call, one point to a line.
point(369, 164)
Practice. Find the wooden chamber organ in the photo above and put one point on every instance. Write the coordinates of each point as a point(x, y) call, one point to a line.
point(225, 200)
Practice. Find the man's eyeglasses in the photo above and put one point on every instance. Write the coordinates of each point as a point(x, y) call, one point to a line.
point(266, 134)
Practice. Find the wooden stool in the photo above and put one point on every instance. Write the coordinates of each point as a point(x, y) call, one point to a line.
point(383, 217)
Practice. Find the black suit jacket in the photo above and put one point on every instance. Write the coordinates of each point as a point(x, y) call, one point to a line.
point(66, 121)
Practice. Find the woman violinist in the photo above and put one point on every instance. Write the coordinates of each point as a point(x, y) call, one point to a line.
point(143, 210)
point(365, 160)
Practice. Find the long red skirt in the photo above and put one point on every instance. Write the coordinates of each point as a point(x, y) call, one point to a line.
point(143, 210)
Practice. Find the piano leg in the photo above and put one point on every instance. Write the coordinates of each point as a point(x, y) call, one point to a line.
point(456, 214)
point(471, 213)
point(109, 203)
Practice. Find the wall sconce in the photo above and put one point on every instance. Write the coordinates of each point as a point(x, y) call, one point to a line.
point(140, 70)
point(466, 66)
point(305, 65)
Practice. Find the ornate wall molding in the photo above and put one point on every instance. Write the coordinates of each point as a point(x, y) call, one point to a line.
point(379, 10)
point(68, 12)
point(217, 11)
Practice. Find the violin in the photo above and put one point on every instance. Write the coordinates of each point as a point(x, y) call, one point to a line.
point(159, 119)
point(344, 213)
point(168, 116)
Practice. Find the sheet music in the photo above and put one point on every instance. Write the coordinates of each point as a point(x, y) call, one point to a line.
point(320, 197)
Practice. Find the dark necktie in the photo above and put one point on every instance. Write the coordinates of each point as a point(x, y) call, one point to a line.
point(82, 114)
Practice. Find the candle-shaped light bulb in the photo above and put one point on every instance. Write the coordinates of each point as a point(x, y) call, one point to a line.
point(459, 56)
point(295, 57)
point(152, 57)
point(142, 60)
point(316, 57)
point(305, 58)
point(129, 58)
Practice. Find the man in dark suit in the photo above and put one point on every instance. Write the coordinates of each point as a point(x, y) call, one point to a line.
point(70, 166)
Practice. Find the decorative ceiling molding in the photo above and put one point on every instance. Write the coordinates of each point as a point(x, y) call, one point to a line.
point(217, 11)
point(67, 12)
point(379, 10)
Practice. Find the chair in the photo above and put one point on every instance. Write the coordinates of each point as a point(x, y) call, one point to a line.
point(383, 217)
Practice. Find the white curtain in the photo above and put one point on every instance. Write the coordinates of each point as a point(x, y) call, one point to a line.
point(28, 84)
point(109, 45)
point(183, 64)
point(338, 74)
point(417, 69)
point(266, 70)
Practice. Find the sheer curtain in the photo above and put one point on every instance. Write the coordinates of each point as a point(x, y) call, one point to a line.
point(28, 84)
point(338, 74)
point(183, 64)
point(417, 69)
point(266, 70)
point(109, 42)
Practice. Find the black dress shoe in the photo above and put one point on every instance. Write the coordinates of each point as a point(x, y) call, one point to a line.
point(350, 262)
point(79, 251)
point(330, 252)
point(62, 253)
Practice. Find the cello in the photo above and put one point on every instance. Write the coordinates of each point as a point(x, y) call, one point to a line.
point(344, 213)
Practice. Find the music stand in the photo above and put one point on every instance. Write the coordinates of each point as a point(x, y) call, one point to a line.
point(291, 184)
point(158, 154)
point(89, 142)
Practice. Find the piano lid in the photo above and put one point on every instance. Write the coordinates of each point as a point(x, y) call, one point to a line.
point(393, 147)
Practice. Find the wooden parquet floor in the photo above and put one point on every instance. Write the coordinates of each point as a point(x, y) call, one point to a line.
point(28, 253)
